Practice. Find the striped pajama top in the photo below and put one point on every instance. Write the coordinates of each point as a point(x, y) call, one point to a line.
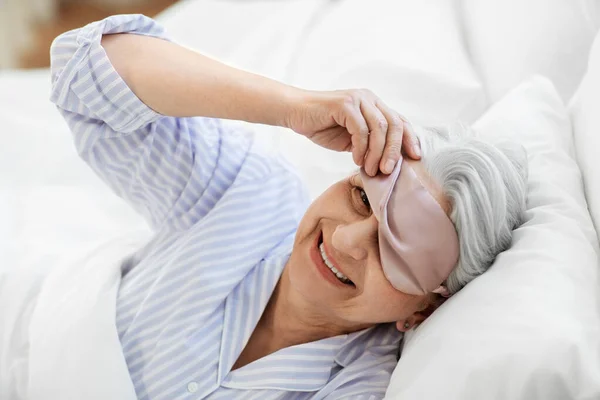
point(224, 213)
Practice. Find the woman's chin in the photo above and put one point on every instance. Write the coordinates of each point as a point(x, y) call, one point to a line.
point(304, 280)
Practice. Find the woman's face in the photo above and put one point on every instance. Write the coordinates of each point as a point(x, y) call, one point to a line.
point(339, 230)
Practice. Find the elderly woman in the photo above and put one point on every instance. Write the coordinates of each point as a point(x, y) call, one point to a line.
point(243, 291)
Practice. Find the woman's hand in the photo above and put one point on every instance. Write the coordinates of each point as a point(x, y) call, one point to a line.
point(356, 121)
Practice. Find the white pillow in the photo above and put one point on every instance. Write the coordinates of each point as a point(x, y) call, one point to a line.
point(413, 56)
point(586, 130)
point(410, 53)
point(258, 35)
point(529, 328)
point(510, 40)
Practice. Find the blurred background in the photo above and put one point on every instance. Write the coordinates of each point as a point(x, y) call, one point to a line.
point(27, 27)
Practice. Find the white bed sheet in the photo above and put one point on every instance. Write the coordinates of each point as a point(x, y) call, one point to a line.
point(50, 202)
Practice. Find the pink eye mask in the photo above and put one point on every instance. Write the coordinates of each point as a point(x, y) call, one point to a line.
point(418, 243)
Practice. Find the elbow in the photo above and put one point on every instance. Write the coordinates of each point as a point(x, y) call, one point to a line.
point(121, 49)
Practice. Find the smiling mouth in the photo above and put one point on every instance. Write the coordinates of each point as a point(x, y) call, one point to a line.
point(338, 274)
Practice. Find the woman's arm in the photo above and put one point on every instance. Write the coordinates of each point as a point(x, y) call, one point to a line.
point(124, 105)
point(178, 82)
point(171, 170)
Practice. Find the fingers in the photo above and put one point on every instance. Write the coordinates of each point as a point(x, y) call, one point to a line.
point(359, 132)
point(393, 143)
point(378, 134)
point(410, 142)
point(400, 137)
point(378, 127)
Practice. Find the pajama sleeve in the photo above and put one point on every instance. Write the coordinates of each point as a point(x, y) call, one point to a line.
point(170, 170)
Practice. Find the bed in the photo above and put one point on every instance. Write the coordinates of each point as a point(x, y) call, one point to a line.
point(527, 329)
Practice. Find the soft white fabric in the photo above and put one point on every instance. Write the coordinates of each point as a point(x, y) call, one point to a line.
point(510, 40)
point(585, 114)
point(50, 203)
point(258, 35)
point(54, 212)
point(58, 339)
point(413, 57)
point(410, 53)
point(529, 328)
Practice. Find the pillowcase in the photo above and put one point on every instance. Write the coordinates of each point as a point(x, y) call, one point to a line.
point(586, 131)
point(410, 53)
point(529, 328)
point(511, 40)
point(259, 35)
point(413, 56)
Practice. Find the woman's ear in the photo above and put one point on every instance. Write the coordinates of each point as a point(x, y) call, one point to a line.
point(410, 322)
point(425, 310)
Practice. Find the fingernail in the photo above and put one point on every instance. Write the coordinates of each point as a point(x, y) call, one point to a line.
point(417, 150)
point(389, 166)
point(370, 171)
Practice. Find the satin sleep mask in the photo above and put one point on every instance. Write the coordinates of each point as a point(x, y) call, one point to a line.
point(418, 243)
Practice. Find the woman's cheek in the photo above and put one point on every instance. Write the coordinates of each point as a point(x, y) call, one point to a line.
point(392, 304)
point(378, 300)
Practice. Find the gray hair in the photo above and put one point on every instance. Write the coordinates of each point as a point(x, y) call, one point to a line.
point(486, 184)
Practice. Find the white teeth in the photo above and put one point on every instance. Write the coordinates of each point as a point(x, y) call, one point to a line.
point(337, 273)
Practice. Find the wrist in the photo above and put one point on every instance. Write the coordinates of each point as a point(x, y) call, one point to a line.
point(295, 100)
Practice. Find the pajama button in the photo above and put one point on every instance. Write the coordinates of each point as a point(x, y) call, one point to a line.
point(192, 387)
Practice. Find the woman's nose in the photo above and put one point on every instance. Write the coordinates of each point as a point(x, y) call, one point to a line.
point(355, 238)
